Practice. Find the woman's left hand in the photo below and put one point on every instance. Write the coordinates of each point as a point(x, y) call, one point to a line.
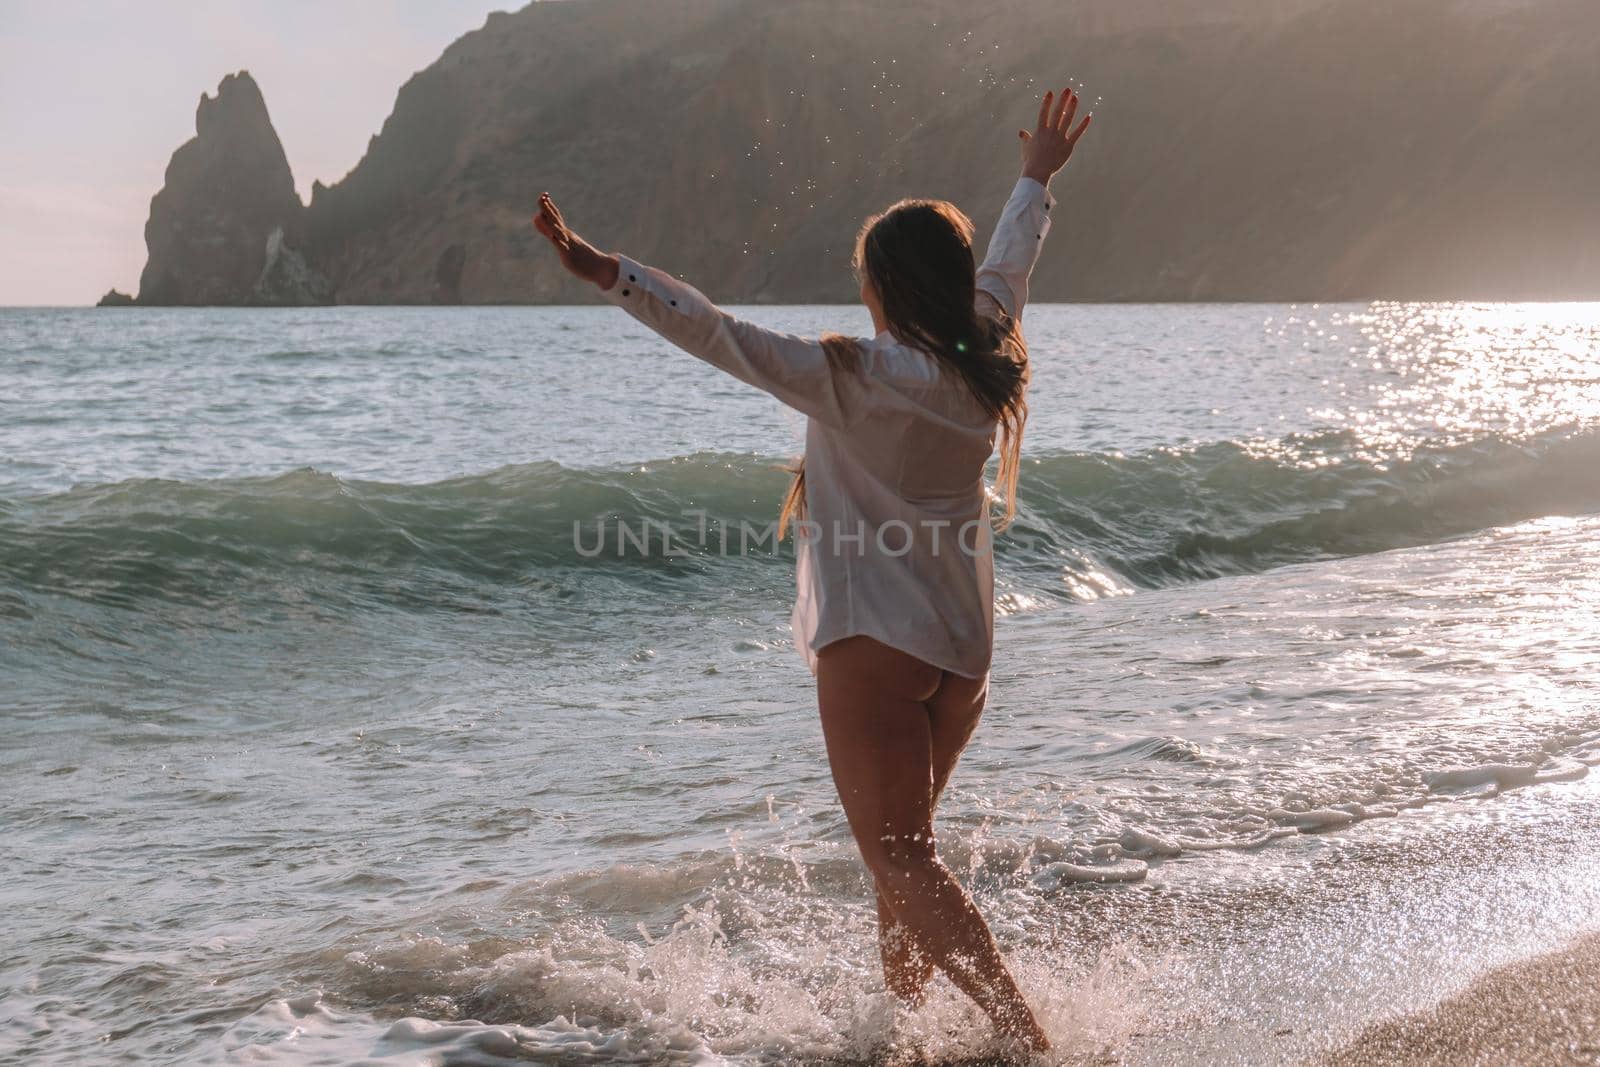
point(577, 255)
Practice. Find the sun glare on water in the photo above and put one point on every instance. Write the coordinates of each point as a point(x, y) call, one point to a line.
point(1454, 370)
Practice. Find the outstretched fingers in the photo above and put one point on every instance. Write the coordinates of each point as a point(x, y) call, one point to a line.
point(550, 223)
point(1072, 141)
point(1069, 111)
point(1066, 100)
point(549, 207)
point(1056, 112)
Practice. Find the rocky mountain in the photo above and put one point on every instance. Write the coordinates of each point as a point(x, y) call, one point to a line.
point(1243, 150)
point(223, 227)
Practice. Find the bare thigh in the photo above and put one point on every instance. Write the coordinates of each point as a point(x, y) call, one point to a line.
point(954, 711)
point(879, 736)
point(895, 728)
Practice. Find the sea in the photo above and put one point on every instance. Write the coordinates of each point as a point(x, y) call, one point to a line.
point(400, 686)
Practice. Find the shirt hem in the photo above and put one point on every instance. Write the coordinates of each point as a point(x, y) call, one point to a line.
point(810, 650)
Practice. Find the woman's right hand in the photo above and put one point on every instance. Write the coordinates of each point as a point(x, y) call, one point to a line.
point(577, 255)
point(1047, 149)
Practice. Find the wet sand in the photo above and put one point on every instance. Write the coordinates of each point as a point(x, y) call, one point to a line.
point(1545, 1010)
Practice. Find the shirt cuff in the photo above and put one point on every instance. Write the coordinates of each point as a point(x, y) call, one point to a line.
point(1031, 187)
point(632, 278)
point(650, 294)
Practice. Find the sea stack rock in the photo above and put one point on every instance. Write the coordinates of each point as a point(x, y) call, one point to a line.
point(223, 228)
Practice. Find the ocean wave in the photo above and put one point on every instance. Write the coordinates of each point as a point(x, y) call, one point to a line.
point(1145, 520)
point(1172, 515)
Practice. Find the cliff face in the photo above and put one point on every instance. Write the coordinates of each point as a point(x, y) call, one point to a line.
point(228, 191)
point(1313, 149)
point(1245, 149)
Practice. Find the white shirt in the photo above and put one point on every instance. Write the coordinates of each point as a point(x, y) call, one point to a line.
point(897, 544)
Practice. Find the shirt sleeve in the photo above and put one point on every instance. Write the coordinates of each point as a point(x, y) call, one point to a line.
point(1014, 248)
point(796, 370)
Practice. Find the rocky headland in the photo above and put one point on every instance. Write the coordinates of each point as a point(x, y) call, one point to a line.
point(1244, 150)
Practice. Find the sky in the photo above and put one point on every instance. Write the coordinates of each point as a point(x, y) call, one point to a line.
point(96, 94)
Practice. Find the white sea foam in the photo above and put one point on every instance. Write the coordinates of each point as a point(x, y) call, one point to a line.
point(691, 996)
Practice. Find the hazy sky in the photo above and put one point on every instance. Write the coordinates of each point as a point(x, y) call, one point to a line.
point(96, 94)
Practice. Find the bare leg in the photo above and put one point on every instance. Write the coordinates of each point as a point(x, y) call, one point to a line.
point(879, 735)
point(953, 714)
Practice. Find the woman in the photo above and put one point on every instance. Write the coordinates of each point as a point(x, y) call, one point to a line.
point(895, 611)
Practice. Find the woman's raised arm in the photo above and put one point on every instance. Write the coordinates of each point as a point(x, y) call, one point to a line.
point(1019, 235)
point(796, 370)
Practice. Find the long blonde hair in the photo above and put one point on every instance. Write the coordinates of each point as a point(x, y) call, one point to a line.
point(918, 257)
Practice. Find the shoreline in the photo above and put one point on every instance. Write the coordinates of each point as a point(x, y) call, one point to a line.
point(1544, 1009)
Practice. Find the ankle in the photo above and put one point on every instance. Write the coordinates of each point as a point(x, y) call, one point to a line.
point(1016, 1023)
